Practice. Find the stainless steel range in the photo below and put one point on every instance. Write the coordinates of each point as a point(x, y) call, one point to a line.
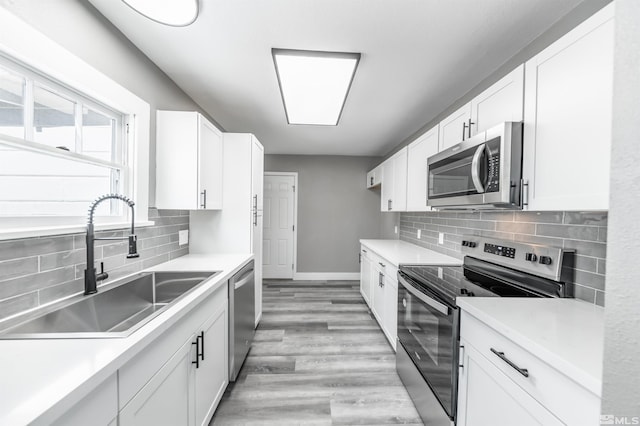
point(428, 318)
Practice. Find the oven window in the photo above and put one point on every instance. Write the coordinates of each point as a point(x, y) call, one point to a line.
point(424, 327)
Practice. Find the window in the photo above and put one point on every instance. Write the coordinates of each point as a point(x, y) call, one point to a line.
point(34, 66)
point(59, 150)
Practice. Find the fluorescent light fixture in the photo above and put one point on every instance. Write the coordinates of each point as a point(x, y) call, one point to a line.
point(314, 85)
point(176, 13)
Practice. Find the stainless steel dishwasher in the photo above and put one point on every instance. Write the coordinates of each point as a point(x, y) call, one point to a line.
point(241, 317)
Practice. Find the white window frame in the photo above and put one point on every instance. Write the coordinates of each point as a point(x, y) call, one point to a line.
point(28, 46)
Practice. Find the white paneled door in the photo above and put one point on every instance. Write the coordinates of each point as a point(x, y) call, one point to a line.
point(279, 226)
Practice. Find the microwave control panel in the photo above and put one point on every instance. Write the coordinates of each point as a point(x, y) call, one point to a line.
point(493, 160)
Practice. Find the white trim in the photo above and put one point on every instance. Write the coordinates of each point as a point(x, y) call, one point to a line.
point(23, 42)
point(326, 276)
point(46, 231)
point(258, 319)
point(295, 217)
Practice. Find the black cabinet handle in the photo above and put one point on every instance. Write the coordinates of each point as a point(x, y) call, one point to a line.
point(501, 355)
point(197, 343)
point(201, 337)
point(464, 130)
point(469, 126)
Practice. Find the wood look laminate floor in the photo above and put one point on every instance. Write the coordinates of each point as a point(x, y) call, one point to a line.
point(318, 358)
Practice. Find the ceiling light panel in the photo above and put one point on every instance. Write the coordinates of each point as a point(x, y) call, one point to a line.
point(176, 13)
point(314, 85)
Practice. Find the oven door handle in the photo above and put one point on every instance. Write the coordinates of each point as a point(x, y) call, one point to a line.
point(475, 169)
point(440, 307)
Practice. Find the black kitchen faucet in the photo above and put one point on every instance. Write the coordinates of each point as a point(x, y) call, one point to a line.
point(91, 277)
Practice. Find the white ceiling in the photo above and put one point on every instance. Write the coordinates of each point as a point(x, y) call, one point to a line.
point(418, 57)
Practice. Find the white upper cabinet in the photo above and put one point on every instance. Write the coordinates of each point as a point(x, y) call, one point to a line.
point(501, 102)
point(188, 162)
point(568, 111)
point(455, 128)
point(374, 177)
point(417, 154)
point(394, 182)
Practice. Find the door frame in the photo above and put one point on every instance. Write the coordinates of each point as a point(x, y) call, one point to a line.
point(295, 216)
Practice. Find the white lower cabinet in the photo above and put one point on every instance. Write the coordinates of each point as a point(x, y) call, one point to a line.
point(379, 287)
point(365, 275)
point(504, 384)
point(168, 397)
point(180, 378)
point(211, 376)
point(488, 397)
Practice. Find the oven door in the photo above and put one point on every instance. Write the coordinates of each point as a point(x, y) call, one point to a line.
point(428, 331)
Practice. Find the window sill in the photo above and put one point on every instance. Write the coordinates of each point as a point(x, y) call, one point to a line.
point(47, 231)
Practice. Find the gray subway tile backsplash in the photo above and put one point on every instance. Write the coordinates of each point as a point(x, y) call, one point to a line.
point(36, 271)
point(584, 232)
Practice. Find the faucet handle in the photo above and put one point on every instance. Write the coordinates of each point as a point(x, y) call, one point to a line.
point(102, 275)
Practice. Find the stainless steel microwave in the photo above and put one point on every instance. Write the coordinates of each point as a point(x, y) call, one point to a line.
point(483, 172)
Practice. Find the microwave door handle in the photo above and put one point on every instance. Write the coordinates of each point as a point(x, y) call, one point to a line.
point(475, 169)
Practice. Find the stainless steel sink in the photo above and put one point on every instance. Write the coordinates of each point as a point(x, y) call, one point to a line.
point(116, 311)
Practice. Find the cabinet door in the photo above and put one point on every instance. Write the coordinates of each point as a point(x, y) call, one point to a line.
point(399, 198)
point(212, 374)
point(167, 399)
point(486, 396)
point(417, 154)
point(390, 317)
point(568, 111)
point(365, 276)
point(257, 173)
point(209, 165)
point(257, 253)
point(378, 294)
point(503, 101)
point(452, 129)
point(177, 160)
point(387, 185)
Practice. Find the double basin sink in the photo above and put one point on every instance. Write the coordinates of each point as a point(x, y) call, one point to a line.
point(116, 311)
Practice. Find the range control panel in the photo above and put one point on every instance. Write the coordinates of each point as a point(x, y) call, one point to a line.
point(536, 259)
point(500, 250)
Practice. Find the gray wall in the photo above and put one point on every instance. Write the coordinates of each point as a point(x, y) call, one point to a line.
point(560, 28)
point(584, 232)
point(77, 26)
point(335, 210)
point(622, 314)
point(35, 271)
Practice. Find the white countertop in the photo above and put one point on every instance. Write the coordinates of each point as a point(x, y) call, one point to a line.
point(41, 379)
point(399, 252)
point(567, 334)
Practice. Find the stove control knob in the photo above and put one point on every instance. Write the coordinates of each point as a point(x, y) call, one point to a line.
point(545, 260)
point(470, 294)
point(472, 244)
point(464, 291)
point(530, 257)
point(465, 243)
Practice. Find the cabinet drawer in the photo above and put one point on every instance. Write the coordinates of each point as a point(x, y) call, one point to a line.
point(566, 399)
point(137, 372)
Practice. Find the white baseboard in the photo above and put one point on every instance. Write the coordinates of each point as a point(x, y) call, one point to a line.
point(326, 276)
